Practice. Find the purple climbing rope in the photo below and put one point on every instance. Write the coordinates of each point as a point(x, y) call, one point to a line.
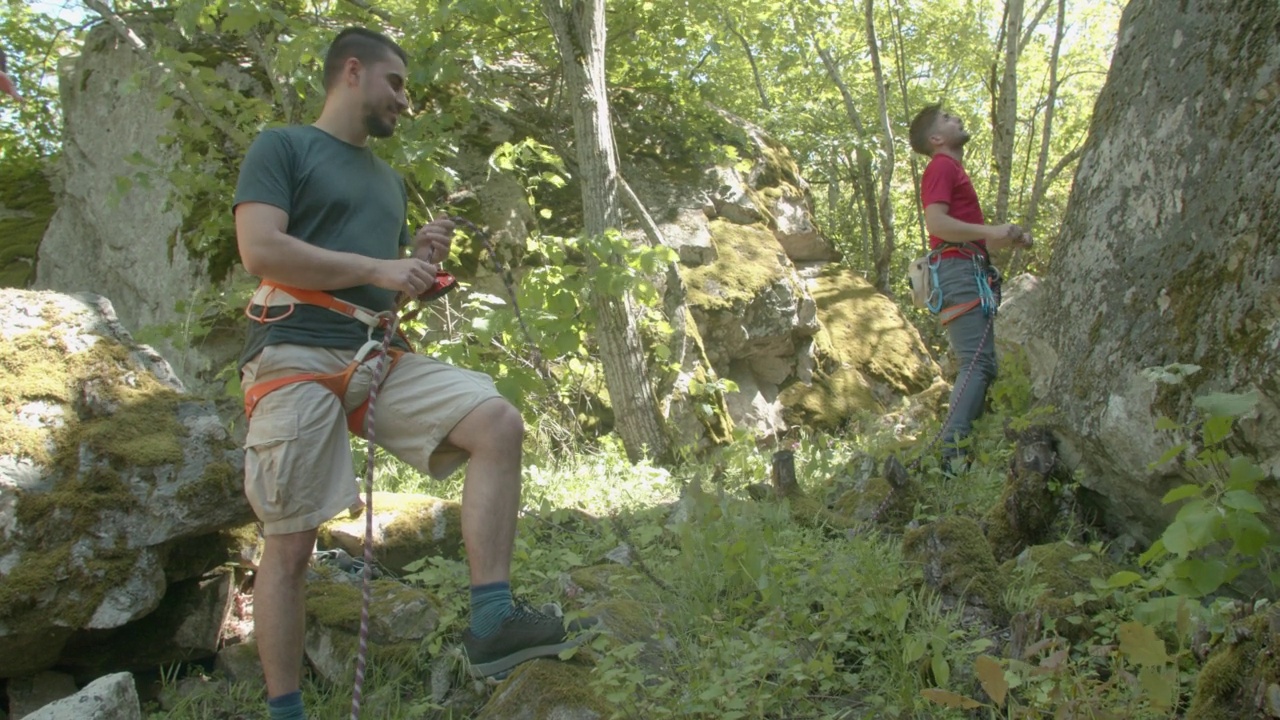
point(366, 583)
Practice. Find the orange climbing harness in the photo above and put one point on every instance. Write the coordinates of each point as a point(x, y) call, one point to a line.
point(273, 295)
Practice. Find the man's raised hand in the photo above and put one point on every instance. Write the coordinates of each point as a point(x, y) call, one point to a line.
point(434, 240)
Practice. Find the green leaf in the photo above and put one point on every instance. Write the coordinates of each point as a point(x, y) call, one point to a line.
point(1216, 429)
point(1182, 492)
point(1242, 500)
point(1124, 578)
point(1248, 533)
point(941, 670)
point(1176, 539)
point(1244, 474)
point(1170, 454)
point(1227, 404)
point(545, 213)
point(1159, 686)
point(1140, 644)
point(1164, 423)
point(1205, 575)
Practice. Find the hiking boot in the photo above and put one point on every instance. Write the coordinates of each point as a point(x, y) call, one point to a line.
point(527, 633)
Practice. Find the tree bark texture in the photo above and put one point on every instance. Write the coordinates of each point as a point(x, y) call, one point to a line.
point(887, 161)
point(1004, 129)
point(579, 29)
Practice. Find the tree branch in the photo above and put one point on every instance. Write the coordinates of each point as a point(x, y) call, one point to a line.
point(184, 93)
point(379, 12)
point(1035, 23)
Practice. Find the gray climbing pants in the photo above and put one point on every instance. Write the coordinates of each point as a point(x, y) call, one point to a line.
point(970, 349)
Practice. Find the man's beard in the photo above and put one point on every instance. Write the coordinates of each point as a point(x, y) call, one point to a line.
point(962, 139)
point(377, 125)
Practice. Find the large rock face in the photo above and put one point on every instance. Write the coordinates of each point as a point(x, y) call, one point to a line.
point(1170, 249)
point(114, 233)
point(111, 479)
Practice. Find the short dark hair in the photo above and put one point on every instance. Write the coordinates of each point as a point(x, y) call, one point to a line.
point(365, 45)
point(922, 128)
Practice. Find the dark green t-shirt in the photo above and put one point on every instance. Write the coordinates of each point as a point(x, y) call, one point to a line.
point(338, 196)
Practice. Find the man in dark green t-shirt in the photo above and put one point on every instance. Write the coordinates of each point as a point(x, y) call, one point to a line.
point(316, 210)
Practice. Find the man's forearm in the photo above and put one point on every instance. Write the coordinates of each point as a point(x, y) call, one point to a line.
point(952, 230)
point(290, 261)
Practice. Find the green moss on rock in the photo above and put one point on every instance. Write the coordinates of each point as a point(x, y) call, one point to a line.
point(546, 690)
point(864, 340)
point(408, 528)
point(957, 560)
point(1064, 570)
point(1238, 673)
point(746, 264)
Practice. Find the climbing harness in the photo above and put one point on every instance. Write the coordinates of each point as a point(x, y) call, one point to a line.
point(987, 278)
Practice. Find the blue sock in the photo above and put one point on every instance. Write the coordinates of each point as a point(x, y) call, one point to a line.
point(287, 707)
point(490, 605)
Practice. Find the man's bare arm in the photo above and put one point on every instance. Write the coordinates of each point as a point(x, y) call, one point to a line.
point(998, 237)
point(268, 251)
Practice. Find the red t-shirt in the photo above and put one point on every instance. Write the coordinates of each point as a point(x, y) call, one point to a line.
point(945, 181)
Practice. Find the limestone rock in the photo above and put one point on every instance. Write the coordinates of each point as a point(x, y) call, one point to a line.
point(400, 618)
point(240, 663)
point(123, 241)
point(26, 206)
point(795, 230)
point(957, 561)
point(1170, 251)
point(406, 528)
point(104, 465)
point(28, 694)
point(1016, 331)
point(111, 697)
point(869, 355)
point(186, 626)
point(546, 690)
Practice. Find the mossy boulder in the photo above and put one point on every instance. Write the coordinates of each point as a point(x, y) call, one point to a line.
point(1241, 679)
point(868, 356)
point(1030, 506)
point(957, 561)
point(406, 528)
point(105, 465)
point(401, 617)
point(1064, 570)
point(546, 690)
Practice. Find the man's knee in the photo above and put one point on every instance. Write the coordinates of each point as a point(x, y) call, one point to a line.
point(291, 551)
point(495, 425)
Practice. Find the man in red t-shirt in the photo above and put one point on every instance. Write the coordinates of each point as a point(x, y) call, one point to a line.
point(6, 84)
point(954, 219)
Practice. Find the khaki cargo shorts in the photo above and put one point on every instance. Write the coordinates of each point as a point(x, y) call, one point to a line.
point(298, 464)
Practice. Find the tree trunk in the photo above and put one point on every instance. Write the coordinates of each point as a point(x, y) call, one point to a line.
point(579, 28)
point(885, 260)
point(901, 71)
point(1004, 128)
point(751, 58)
point(1039, 186)
point(866, 178)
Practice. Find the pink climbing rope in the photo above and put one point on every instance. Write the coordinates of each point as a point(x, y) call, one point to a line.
point(366, 590)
